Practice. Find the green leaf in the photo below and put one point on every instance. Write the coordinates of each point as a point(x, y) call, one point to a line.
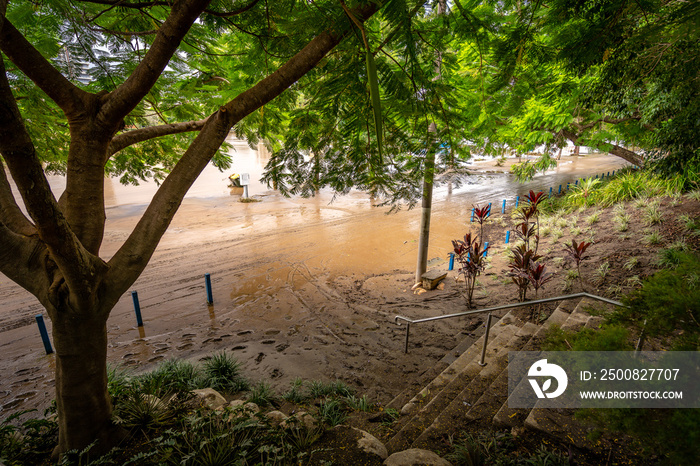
point(376, 101)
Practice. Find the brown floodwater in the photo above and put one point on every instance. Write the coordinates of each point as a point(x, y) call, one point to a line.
point(269, 262)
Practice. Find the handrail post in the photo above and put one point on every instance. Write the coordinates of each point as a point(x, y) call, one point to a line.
point(486, 340)
point(408, 328)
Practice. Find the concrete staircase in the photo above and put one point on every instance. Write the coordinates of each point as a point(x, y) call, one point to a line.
point(465, 393)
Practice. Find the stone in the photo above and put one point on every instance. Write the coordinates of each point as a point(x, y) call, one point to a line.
point(370, 444)
point(345, 445)
point(209, 398)
point(416, 457)
point(276, 418)
point(300, 419)
point(431, 278)
point(245, 408)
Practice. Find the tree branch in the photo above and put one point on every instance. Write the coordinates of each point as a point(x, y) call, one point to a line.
point(10, 213)
point(28, 59)
point(626, 154)
point(124, 140)
point(19, 261)
point(126, 265)
point(25, 167)
point(125, 98)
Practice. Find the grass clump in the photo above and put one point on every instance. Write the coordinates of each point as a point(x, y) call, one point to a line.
point(222, 372)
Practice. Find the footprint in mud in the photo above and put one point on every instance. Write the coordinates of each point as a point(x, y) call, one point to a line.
point(272, 331)
point(161, 350)
point(268, 342)
point(208, 340)
point(29, 370)
point(239, 347)
point(185, 346)
point(156, 358)
point(128, 355)
point(244, 332)
point(281, 347)
point(189, 335)
point(259, 358)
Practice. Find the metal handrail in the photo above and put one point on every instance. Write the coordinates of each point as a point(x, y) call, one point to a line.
point(496, 308)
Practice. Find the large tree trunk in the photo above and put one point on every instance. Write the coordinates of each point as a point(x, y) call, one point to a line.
point(84, 405)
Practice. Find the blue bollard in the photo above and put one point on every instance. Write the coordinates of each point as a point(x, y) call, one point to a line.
point(567, 186)
point(489, 211)
point(503, 210)
point(207, 281)
point(613, 173)
point(452, 261)
point(576, 183)
point(44, 334)
point(507, 236)
point(559, 189)
point(608, 174)
point(486, 248)
point(550, 191)
point(472, 219)
point(517, 200)
point(137, 308)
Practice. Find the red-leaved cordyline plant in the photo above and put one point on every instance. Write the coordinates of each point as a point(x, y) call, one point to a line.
point(577, 252)
point(481, 214)
point(524, 257)
point(472, 262)
point(520, 263)
point(538, 276)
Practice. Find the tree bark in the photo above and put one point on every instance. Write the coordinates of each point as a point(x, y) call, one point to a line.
point(84, 405)
point(628, 155)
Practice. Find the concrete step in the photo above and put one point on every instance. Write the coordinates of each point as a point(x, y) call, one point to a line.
point(488, 404)
point(454, 413)
point(448, 374)
point(512, 417)
point(443, 390)
point(466, 341)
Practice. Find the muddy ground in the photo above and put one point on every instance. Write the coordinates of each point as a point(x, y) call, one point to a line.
point(304, 288)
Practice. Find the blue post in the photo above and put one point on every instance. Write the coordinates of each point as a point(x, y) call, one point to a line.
point(44, 333)
point(207, 281)
point(507, 236)
point(550, 191)
point(137, 308)
point(613, 173)
point(576, 183)
point(472, 219)
point(489, 212)
point(567, 186)
point(486, 248)
point(452, 261)
point(608, 174)
point(559, 189)
point(517, 200)
point(503, 210)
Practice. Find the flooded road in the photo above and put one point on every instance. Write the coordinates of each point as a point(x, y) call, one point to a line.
point(272, 264)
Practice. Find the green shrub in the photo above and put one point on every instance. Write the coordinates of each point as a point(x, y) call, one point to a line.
point(174, 376)
point(669, 301)
point(222, 372)
point(608, 338)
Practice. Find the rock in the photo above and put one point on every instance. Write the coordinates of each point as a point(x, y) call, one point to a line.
point(420, 291)
point(244, 408)
point(276, 418)
point(440, 287)
point(348, 446)
point(416, 457)
point(370, 444)
point(300, 419)
point(210, 398)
